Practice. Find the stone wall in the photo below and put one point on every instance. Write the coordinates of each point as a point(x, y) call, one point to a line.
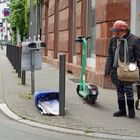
point(107, 12)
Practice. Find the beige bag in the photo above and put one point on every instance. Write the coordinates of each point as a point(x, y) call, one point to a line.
point(127, 72)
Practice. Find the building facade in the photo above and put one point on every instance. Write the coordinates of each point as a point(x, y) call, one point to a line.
point(4, 25)
point(64, 20)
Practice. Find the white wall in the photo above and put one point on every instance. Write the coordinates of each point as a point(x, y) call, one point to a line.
point(135, 17)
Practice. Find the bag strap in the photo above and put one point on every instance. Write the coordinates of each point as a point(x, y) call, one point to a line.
point(126, 52)
point(116, 57)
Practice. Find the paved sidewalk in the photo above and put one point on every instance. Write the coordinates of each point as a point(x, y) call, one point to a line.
point(79, 115)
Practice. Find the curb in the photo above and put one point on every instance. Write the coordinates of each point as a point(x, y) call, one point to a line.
point(4, 108)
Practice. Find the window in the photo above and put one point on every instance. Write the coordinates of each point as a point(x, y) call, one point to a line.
point(3, 20)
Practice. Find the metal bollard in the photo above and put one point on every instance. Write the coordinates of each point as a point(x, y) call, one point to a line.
point(19, 62)
point(62, 84)
point(23, 79)
point(32, 71)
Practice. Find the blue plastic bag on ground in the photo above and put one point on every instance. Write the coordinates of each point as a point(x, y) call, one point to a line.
point(47, 101)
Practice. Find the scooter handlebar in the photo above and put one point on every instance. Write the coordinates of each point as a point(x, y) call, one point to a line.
point(88, 37)
point(81, 37)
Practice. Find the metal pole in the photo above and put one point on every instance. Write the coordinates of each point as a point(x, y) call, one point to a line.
point(6, 29)
point(36, 23)
point(23, 77)
point(32, 72)
point(19, 61)
point(62, 84)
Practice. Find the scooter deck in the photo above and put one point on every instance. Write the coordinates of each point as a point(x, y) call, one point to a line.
point(83, 93)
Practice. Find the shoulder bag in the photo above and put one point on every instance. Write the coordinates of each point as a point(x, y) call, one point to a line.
point(127, 71)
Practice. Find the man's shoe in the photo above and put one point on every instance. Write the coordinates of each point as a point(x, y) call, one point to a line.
point(131, 113)
point(119, 113)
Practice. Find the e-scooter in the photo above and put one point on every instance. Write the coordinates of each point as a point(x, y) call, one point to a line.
point(88, 92)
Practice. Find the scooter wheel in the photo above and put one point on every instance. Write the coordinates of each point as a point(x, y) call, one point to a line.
point(78, 89)
point(91, 99)
point(95, 90)
point(137, 104)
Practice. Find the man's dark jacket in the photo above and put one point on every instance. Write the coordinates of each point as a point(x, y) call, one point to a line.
point(133, 47)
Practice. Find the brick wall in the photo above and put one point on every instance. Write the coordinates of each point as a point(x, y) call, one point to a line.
point(107, 11)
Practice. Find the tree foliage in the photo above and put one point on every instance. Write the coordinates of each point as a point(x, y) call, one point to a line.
point(27, 12)
point(19, 16)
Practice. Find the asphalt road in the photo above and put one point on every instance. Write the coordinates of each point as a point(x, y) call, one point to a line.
point(13, 130)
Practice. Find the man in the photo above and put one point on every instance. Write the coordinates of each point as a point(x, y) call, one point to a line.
point(121, 32)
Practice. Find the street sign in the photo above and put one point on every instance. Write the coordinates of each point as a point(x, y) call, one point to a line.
point(6, 12)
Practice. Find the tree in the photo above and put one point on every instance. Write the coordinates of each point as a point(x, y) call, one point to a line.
point(19, 17)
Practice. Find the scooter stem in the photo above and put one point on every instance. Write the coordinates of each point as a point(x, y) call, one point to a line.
point(84, 55)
